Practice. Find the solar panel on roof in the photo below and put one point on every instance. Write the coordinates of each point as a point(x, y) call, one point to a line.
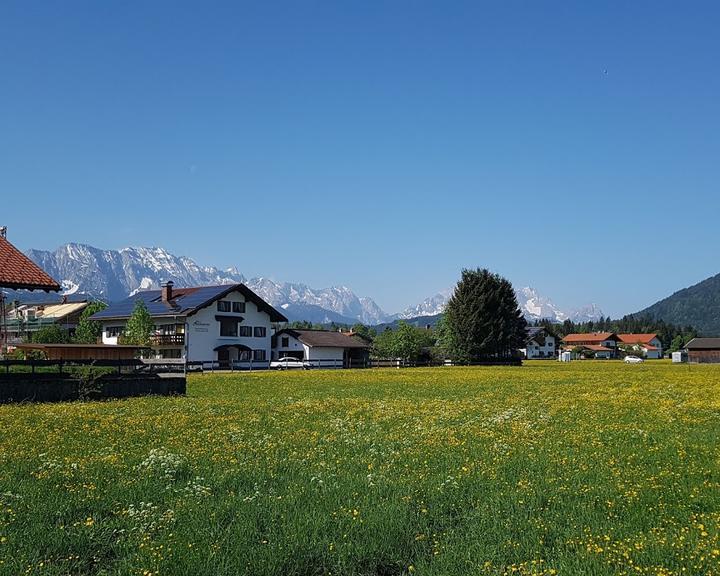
point(152, 299)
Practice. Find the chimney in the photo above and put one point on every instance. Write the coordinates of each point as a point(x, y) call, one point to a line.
point(3, 231)
point(166, 291)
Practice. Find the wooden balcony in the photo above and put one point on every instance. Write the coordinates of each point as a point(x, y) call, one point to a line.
point(167, 339)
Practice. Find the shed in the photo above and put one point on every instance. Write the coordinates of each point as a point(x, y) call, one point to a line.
point(84, 351)
point(704, 350)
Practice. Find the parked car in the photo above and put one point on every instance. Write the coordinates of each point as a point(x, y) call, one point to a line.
point(289, 363)
point(633, 360)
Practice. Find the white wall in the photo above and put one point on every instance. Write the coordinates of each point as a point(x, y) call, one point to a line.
point(294, 345)
point(203, 331)
point(110, 339)
point(324, 353)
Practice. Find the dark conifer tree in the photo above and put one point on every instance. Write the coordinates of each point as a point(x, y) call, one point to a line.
point(482, 318)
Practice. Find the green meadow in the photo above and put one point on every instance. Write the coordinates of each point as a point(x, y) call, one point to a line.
point(586, 468)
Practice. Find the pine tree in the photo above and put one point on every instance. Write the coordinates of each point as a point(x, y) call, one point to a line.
point(139, 326)
point(482, 318)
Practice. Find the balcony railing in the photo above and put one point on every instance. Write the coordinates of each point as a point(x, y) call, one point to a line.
point(167, 339)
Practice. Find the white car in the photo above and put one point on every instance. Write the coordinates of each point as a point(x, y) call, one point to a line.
point(633, 360)
point(289, 363)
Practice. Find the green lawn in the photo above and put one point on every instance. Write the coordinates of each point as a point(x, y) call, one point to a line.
point(580, 468)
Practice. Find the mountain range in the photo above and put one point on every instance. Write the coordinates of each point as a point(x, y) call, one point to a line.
point(533, 305)
point(115, 274)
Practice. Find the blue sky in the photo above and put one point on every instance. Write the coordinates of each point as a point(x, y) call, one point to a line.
point(383, 146)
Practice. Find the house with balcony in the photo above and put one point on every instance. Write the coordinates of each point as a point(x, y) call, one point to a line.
point(648, 345)
point(602, 345)
point(229, 324)
point(540, 343)
point(23, 319)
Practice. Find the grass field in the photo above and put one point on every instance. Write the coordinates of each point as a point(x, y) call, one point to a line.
point(580, 468)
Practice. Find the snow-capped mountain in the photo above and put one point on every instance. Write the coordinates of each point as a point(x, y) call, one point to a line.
point(431, 306)
point(114, 274)
point(587, 313)
point(537, 307)
point(533, 305)
point(339, 300)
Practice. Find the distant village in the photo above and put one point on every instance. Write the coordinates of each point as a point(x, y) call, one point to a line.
point(233, 327)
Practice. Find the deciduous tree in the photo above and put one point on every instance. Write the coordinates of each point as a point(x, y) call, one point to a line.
point(89, 331)
point(139, 326)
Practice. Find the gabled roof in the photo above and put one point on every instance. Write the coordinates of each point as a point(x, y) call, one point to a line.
point(704, 344)
point(185, 302)
point(325, 338)
point(537, 332)
point(590, 337)
point(637, 338)
point(17, 271)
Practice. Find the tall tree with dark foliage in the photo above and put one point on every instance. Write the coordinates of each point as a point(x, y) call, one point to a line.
point(483, 318)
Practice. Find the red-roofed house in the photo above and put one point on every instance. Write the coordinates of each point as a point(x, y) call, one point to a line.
point(18, 272)
point(602, 344)
point(648, 344)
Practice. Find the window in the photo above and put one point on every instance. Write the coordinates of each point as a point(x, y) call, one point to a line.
point(246, 331)
point(113, 331)
point(171, 353)
point(259, 355)
point(228, 327)
point(244, 356)
point(238, 307)
point(260, 331)
point(284, 342)
point(223, 306)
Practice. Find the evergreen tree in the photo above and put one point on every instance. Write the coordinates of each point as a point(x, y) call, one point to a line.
point(139, 327)
point(482, 318)
point(89, 331)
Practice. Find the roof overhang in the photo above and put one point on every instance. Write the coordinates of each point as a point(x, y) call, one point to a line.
point(240, 347)
point(220, 317)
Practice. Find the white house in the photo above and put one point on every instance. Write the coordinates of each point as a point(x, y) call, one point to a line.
point(540, 343)
point(648, 344)
point(228, 323)
point(322, 348)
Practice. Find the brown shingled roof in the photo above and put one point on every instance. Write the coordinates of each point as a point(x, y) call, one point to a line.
point(17, 271)
point(704, 344)
point(326, 338)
